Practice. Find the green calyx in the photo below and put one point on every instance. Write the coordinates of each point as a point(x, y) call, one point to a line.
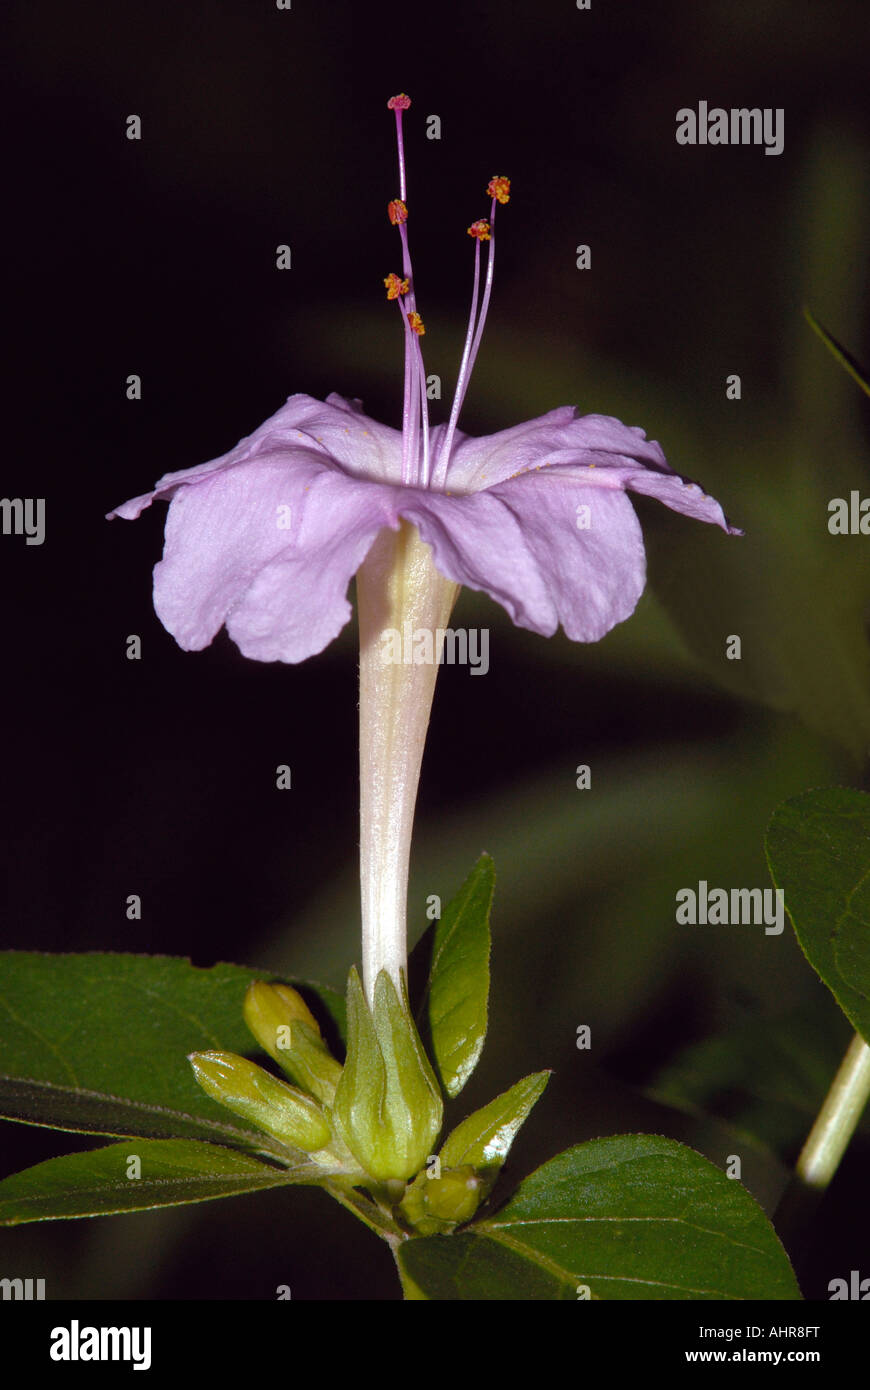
point(387, 1103)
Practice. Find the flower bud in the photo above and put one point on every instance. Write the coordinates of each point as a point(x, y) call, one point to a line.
point(261, 1099)
point(455, 1196)
point(436, 1206)
point(270, 1008)
point(387, 1103)
point(285, 1027)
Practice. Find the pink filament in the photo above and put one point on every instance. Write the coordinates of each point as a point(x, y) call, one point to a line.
point(469, 351)
point(415, 409)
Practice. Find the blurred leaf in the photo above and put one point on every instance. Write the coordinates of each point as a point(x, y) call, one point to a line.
point(796, 595)
point(793, 594)
point(845, 358)
point(766, 1079)
point(174, 1172)
point(99, 1042)
point(632, 1216)
point(818, 848)
point(454, 1009)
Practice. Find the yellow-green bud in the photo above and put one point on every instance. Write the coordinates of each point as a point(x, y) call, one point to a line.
point(270, 1008)
point(285, 1027)
point(387, 1102)
point(453, 1197)
point(261, 1099)
point(436, 1206)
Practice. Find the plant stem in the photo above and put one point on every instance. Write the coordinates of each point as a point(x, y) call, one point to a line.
point(369, 1212)
point(825, 1146)
point(836, 1121)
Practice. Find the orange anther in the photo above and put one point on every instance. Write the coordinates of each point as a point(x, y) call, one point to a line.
point(397, 212)
point(395, 286)
point(416, 323)
point(499, 187)
point(479, 229)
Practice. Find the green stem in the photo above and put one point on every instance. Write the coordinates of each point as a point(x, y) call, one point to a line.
point(837, 1119)
point(369, 1212)
point(825, 1146)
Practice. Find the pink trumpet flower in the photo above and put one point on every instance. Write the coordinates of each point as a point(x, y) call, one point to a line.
point(265, 540)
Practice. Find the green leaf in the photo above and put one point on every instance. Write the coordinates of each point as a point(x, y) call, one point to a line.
point(453, 1017)
point(766, 1079)
point(483, 1140)
point(818, 849)
point(173, 1172)
point(630, 1217)
point(845, 358)
point(98, 1043)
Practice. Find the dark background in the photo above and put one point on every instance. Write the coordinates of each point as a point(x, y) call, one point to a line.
point(156, 777)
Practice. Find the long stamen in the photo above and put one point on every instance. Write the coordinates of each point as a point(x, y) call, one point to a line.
point(499, 190)
point(424, 415)
point(407, 407)
point(415, 410)
point(484, 308)
point(439, 474)
point(413, 360)
point(414, 329)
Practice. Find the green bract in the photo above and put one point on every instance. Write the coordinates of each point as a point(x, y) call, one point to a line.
point(470, 1161)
